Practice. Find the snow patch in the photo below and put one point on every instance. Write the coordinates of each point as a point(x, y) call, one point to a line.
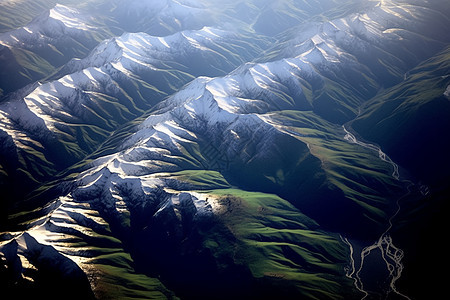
point(447, 92)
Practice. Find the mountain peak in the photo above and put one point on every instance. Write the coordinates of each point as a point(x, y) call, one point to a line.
point(70, 17)
point(58, 20)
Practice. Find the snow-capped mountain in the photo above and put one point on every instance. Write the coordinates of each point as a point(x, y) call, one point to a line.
point(204, 153)
point(135, 69)
point(133, 51)
point(128, 57)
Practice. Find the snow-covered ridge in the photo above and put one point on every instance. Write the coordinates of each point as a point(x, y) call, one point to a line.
point(355, 33)
point(214, 109)
point(252, 90)
point(66, 97)
point(52, 239)
point(54, 23)
point(50, 99)
point(141, 48)
point(249, 89)
point(76, 94)
point(203, 105)
point(62, 98)
point(132, 51)
point(29, 120)
point(70, 17)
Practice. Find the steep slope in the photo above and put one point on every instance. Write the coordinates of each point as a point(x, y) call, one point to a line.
point(156, 186)
point(47, 127)
point(419, 107)
point(72, 245)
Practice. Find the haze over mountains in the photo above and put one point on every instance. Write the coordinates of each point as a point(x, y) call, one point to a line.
point(169, 149)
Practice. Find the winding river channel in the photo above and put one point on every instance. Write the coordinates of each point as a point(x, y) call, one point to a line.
point(376, 268)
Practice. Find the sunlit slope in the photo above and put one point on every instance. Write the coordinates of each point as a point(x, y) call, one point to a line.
point(50, 126)
point(75, 249)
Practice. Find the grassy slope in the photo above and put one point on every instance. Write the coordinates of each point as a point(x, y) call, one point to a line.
point(410, 120)
point(276, 250)
point(283, 248)
point(339, 184)
point(286, 254)
point(14, 14)
point(21, 67)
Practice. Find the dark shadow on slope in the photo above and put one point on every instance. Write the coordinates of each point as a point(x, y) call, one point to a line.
point(53, 276)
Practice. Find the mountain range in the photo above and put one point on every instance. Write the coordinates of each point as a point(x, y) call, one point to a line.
point(190, 149)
